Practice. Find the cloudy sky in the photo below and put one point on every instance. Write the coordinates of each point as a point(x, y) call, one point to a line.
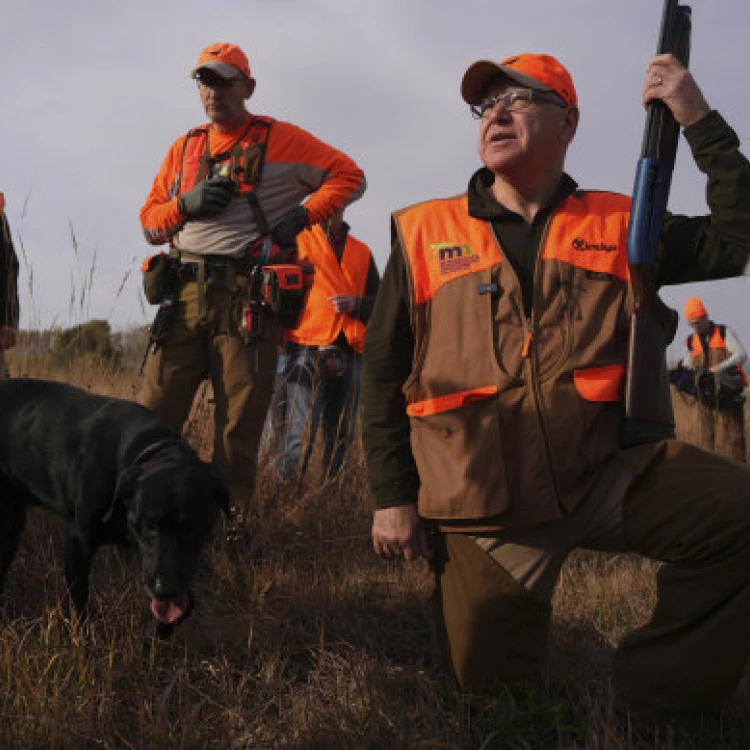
point(95, 92)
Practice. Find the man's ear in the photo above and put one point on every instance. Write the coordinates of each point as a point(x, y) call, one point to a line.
point(249, 88)
point(570, 123)
point(127, 484)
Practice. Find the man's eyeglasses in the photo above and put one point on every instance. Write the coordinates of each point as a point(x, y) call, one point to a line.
point(213, 80)
point(514, 101)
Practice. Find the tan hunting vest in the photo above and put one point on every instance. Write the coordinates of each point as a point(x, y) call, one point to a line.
point(511, 417)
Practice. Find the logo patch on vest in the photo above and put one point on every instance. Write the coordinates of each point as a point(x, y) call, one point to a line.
point(452, 257)
point(582, 245)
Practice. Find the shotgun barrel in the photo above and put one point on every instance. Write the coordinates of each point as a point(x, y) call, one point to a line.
point(648, 408)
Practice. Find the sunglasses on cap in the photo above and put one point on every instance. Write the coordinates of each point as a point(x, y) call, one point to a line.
point(213, 80)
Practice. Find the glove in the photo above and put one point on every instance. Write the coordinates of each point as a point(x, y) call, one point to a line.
point(291, 224)
point(207, 198)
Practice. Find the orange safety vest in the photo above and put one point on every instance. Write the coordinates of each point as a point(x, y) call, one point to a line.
point(511, 417)
point(320, 325)
point(245, 159)
point(717, 350)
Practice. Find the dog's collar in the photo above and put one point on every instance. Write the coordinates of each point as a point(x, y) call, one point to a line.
point(154, 448)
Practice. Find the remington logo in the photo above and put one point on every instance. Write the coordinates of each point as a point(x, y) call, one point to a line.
point(453, 257)
point(599, 247)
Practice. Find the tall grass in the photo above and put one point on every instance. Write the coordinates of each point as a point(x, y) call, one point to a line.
point(302, 638)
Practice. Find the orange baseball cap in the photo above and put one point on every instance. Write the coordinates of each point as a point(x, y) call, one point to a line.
point(694, 308)
point(224, 59)
point(539, 72)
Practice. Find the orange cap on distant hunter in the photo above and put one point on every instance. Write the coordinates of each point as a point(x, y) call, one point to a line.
point(540, 72)
point(694, 308)
point(225, 59)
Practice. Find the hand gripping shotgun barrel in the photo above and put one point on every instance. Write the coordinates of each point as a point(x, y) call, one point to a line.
point(648, 407)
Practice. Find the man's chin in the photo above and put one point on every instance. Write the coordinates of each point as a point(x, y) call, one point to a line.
point(501, 160)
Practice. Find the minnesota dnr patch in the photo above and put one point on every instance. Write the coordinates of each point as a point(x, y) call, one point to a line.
point(453, 258)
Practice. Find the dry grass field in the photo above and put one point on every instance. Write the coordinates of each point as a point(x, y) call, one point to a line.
point(724, 432)
point(302, 638)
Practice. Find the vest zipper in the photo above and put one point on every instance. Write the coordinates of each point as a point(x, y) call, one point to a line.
point(528, 353)
point(527, 345)
point(533, 361)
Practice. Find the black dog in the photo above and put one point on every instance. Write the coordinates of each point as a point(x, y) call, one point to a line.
point(117, 474)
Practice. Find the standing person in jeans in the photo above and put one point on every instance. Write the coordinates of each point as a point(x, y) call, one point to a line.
point(324, 362)
point(493, 398)
point(8, 290)
point(227, 200)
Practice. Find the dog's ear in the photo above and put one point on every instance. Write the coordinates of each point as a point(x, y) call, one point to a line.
point(127, 482)
point(221, 493)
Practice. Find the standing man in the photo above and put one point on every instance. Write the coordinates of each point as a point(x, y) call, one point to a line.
point(223, 191)
point(324, 353)
point(713, 347)
point(493, 397)
point(8, 290)
point(711, 369)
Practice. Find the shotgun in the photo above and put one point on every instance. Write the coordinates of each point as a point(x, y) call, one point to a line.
point(648, 406)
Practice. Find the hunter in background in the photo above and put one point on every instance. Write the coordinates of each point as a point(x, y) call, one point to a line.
point(710, 382)
point(323, 355)
point(8, 290)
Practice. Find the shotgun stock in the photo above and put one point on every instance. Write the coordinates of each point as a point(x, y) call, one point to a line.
point(648, 407)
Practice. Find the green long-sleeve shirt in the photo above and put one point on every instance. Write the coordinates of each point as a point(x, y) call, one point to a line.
point(698, 248)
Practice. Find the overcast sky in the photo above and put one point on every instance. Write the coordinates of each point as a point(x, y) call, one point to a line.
point(95, 92)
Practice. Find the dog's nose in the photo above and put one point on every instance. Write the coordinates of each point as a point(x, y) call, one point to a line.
point(160, 587)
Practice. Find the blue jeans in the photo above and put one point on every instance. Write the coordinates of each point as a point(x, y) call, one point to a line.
point(310, 397)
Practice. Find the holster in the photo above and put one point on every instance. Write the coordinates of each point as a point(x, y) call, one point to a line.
point(159, 277)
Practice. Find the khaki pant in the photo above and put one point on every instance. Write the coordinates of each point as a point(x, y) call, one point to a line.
point(3, 366)
point(669, 502)
point(203, 341)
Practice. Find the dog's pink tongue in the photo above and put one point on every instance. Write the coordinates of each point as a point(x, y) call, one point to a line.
point(169, 610)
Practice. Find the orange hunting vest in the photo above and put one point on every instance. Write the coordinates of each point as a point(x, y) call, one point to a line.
point(245, 159)
point(320, 325)
point(717, 350)
point(512, 417)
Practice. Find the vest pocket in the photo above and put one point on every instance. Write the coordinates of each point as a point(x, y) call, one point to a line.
point(457, 447)
point(600, 383)
point(450, 401)
point(589, 418)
